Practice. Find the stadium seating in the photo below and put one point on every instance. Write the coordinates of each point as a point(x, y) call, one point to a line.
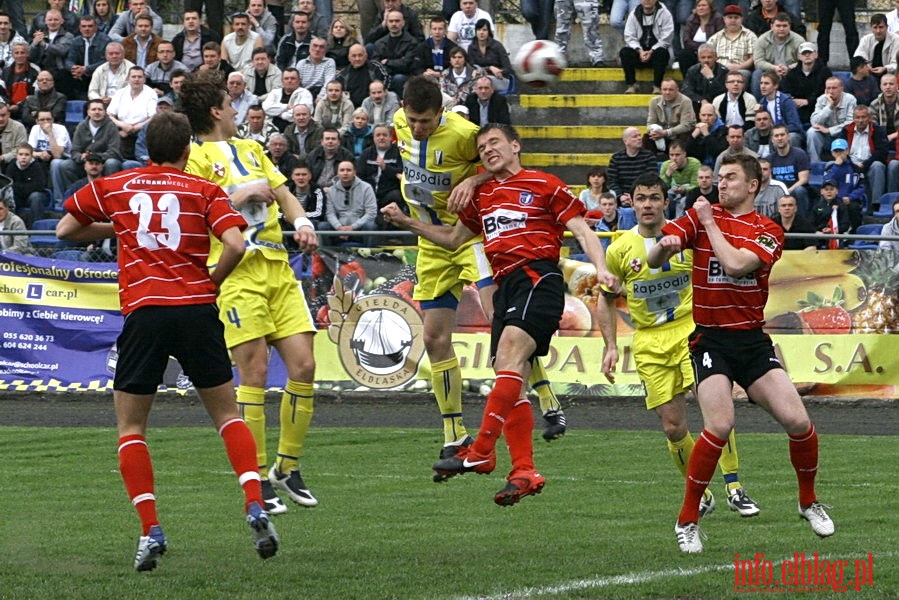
point(45, 241)
point(74, 112)
point(867, 229)
point(73, 255)
point(885, 208)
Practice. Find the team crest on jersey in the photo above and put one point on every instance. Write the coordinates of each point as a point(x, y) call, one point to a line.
point(766, 241)
point(219, 169)
point(525, 198)
point(402, 145)
point(438, 158)
point(636, 265)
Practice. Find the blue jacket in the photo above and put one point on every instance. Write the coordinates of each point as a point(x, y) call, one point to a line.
point(783, 111)
point(627, 219)
point(850, 182)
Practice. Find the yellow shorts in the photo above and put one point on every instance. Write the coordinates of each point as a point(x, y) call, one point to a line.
point(262, 298)
point(440, 271)
point(663, 361)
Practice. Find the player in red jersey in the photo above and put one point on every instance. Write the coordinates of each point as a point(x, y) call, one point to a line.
point(734, 249)
point(162, 218)
point(522, 215)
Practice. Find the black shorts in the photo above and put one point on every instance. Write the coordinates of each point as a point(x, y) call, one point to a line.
point(743, 355)
point(531, 298)
point(193, 334)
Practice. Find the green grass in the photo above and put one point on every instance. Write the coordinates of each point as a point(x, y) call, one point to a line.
point(601, 529)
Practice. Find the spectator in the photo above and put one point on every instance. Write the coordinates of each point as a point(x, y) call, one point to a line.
point(29, 184)
point(262, 76)
point(780, 106)
point(620, 11)
point(45, 97)
point(791, 221)
point(490, 56)
point(12, 135)
point(340, 38)
point(104, 15)
point(457, 82)
point(316, 70)
point(19, 77)
point(761, 17)
point(50, 46)
point(705, 80)
point(52, 144)
point(596, 186)
point(705, 188)
point(159, 73)
point(487, 106)
point(879, 47)
point(861, 83)
point(805, 82)
point(125, 24)
point(380, 166)
point(461, 28)
point(884, 108)
point(294, 46)
point(835, 214)
point(263, 23)
point(867, 145)
point(891, 229)
point(735, 145)
point(190, 40)
point(587, 12)
point(351, 205)
point(85, 55)
point(703, 23)
point(358, 136)
point(131, 108)
point(311, 198)
point(213, 61)
point(709, 136)
point(335, 109)
point(396, 52)
point(627, 164)
point(770, 191)
point(791, 166)
point(241, 98)
point(319, 20)
point(826, 10)
point(9, 221)
point(679, 173)
point(96, 136)
point(280, 102)
point(893, 19)
point(305, 135)
point(844, 174)
point(360, 73)
point(278, 151)
point(215, 14)
point(410, 18)
point(670, 118)
point(775, 50)
point(111, 75)
point(736, 106)
point(432, 55)
point(758, 139)
point(257, 127)
point(324, 159)
point(176, 81)
point(611, 218)
point(238, 46)
point(539, 13)
point(648, 34)
point(69, 19)
point(380, 104)
point(140, 47)
point(735, 44)
point(833, 111)
point(8, 36)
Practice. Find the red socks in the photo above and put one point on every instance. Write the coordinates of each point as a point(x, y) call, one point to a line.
point(500, 402)
point(241, 449)
point(136, 469)
point(804, 456)
point(700, 469)
point(519, 431)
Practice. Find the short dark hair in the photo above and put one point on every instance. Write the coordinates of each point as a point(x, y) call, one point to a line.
point(201, 92)
point(168, 134)
point(81, 19)
point(749, 164)
point(94, 101)
point(772, 75)
point(422, 94)
point(211, 45)
point(597, 172)
point(782, 17)
point(143, 18)
point(507, 130)
point(262, 51)
point(878, 19)
point(649, 179)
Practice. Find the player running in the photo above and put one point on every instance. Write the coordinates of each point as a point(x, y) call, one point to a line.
point(261, 304)
point(162, 218)
point(660, 305)
point(521, 215)
point(439, 154)
point(734, 249)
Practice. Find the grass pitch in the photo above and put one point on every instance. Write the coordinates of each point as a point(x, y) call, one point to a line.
point(602, 528)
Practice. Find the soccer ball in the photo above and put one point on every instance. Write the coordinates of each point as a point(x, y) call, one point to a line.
point(539, 63)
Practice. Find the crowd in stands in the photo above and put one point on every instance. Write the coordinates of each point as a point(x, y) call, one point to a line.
point(320, 97)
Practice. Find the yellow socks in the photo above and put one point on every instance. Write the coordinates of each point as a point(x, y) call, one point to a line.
point(251, 401)
point(296, 414)
point(446, 379)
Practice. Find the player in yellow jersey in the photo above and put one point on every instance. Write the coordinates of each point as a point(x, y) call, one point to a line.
point(261, 304)
point(440, 155)
point(660, 302)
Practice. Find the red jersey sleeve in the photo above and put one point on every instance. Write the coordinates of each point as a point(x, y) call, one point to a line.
point(471, 215)
point(219, 213)
point(85, 206)
point(686, 228)
point(563, 202)
point(767, 243)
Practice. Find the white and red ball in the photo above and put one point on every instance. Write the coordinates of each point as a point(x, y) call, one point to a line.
point(539, 63)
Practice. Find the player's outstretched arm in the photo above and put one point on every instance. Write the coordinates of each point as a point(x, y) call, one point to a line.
point(232, 253)
point(70, 229)
point(294, 213)
point(463, 193)
point(442, 235)
point(608, 326)
point(586, 237)
point(664, 249)
point(736, 262)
